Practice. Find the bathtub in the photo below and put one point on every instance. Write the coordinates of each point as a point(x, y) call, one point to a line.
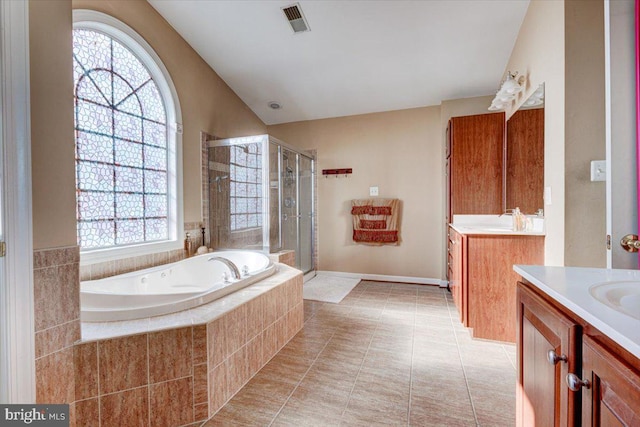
point(170, 288)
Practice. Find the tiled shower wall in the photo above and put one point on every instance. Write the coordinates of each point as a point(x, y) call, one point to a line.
point(217, 228)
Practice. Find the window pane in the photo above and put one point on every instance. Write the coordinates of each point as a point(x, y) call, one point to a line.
point(155, 134)
point(152, 106)
point(92, 205)
point(127, 126)
point(130, 105)
point(95, 176)
point(155, 182)
point(121, 90)
point(128, 66)
point(93, 117)
point(157, 229)
point(92, 49)
point(94, 147)
point(156, 205)
point(129, 231)
point(129, 205)
point(87, 90)
point(102, 80)
point(155, 158)
point(128, 179)
point(128, 153)
point(98, 234)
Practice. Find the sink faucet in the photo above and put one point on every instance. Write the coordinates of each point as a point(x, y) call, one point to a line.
point(235, 272)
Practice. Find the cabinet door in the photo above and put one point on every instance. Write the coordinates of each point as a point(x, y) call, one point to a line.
point(477, 146)
point(492, 281)
point(457, 261)
point(547, 351)
point(612, 397)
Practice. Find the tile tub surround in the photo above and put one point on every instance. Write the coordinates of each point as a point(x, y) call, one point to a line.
point(179, 369)
point(389, 354)
point(287, 257)
point(56, 289)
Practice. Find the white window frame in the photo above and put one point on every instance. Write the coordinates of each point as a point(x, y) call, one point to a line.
point(116, 29)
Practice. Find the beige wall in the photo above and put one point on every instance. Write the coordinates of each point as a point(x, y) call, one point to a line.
point(539, 54)
point(207, 104)
point(402, 153)
point(585, 212)
point(52, 144)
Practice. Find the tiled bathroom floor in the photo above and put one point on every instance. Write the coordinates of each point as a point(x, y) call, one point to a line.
point(388, 355)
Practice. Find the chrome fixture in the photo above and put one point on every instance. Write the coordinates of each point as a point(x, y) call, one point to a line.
point(553, 357)
point(511, 87)
point(235, 272)
point(274, 105)
point(575, 383)
point(217, 180)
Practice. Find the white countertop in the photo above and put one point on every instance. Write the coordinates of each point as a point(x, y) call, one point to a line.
point(495, 225)
point(570, 287)
point(483, 229)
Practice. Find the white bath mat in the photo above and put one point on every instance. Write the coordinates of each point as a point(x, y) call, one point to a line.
point(328, 288)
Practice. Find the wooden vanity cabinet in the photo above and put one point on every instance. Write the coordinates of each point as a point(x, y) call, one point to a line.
point(482, 279)
point(548, 349)
point(606, 376)
point(458, 272)
point(613, 395)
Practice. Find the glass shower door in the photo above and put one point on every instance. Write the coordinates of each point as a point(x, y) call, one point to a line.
point(305, 203)
point(289, 201)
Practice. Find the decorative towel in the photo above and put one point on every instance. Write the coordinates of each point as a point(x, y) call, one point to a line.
point(375, 221)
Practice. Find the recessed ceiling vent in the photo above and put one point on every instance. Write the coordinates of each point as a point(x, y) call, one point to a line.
point(296, 18)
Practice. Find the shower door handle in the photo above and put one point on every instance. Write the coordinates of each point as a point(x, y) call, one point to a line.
point(286, 217)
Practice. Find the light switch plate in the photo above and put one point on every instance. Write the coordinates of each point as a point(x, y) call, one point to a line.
point(373, 191)
point(547, 195)
point(598, 170)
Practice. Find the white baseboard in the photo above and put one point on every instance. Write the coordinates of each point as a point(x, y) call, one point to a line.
point(385, 278)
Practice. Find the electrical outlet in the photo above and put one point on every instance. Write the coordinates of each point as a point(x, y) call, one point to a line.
point(373, 191)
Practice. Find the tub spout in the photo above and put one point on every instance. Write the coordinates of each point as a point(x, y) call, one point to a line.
point(235, 272)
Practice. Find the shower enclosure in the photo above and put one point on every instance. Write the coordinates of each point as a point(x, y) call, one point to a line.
point(261, 197)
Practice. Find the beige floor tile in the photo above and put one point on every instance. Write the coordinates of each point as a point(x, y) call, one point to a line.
point(389, 354)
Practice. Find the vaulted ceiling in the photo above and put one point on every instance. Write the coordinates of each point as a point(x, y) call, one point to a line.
point(358, 57)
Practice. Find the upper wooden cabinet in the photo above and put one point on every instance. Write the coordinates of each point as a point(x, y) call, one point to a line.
point(525, 160)
point(475, 148)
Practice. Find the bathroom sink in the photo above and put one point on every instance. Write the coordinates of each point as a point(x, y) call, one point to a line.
point(622, 296)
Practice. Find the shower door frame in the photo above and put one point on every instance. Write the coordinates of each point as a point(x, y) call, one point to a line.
point(265, 140)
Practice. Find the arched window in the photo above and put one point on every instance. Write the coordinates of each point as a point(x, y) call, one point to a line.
point(125, 139)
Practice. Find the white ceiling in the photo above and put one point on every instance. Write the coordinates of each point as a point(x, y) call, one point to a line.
point(359, 57)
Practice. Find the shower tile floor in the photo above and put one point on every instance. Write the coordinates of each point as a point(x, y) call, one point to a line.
point(389, 354)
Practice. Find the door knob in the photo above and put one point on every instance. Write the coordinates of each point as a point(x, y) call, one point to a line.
point(630, 243)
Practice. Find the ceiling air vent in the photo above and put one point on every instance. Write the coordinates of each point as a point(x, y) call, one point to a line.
point(296, 18)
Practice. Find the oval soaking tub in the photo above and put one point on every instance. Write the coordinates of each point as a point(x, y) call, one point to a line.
point(172, 287)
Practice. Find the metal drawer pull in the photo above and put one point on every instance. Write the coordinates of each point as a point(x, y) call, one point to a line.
point(553, 357)
point(575, 383)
